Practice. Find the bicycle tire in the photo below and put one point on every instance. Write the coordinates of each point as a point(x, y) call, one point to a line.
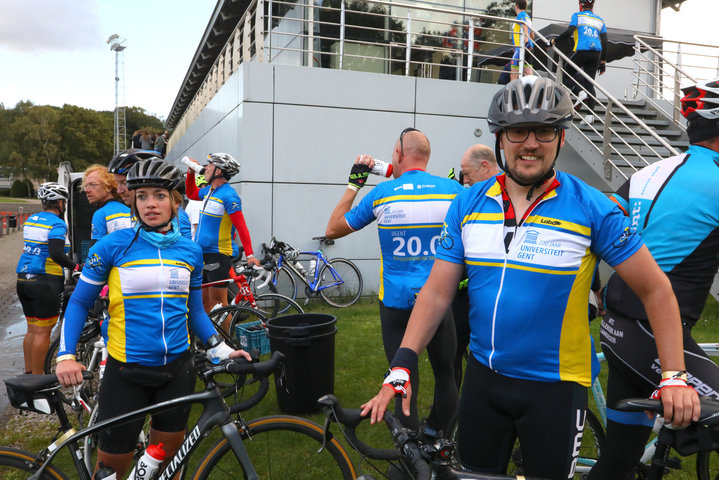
point(280, 447)
point(273, 304)
point(348, 291)
point(84, 351)
point(704, 466)
point(17, 464)
point(592, 443)
point(285, 283)
point(239, 314)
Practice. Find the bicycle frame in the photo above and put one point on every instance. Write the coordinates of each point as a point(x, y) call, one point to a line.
point(215, 413)
point(244, 291)
point(321, 262)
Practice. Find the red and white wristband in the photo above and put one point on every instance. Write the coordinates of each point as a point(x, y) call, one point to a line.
point(671, 379)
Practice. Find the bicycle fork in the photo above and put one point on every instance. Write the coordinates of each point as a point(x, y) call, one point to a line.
point(234, 438)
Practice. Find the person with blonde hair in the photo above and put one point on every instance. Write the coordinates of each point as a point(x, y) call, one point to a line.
point(101, 190)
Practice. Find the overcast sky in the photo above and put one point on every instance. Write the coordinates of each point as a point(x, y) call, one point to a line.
point(54, 52)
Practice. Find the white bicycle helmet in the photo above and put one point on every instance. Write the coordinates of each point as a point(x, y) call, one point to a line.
point(225, 162)
point(700, 106)
point(50, 191)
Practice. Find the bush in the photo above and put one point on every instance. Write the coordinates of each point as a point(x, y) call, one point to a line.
point(22, 189)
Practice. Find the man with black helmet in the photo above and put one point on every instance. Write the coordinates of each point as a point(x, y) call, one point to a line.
point(120, 165)
point(221, 216)
point(674, 205)
point(530, 240)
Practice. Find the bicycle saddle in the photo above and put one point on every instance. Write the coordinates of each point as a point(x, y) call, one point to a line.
point(709, 408)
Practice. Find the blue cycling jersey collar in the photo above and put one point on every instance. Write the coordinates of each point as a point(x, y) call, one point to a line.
point(161, 240)
point(699, 150)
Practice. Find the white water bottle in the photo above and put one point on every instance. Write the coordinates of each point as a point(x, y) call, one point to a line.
point(383, 169)
point(300, 268)
point(313, 265)
point(195, 166)
point(149, 463)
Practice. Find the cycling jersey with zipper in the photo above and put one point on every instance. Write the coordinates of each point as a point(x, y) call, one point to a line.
point(111, 216)
point(150, 295)
point(532, 275)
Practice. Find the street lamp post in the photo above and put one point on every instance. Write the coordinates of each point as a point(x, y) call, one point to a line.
point(116, 45)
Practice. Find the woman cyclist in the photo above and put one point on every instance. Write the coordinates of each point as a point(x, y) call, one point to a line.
point(154, 275)
point(40, 278)
point(101, 190)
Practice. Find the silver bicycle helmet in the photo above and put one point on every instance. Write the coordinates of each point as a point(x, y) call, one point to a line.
point(154, 172)
point(123, 161)
point(50, 191)
point(225, 162)
point(529, 101)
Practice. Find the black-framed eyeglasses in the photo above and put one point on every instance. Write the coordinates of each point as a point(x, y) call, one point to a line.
point(542, 134)
point(405, 131)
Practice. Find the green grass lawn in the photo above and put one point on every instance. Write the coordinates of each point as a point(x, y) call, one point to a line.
point(358, 371)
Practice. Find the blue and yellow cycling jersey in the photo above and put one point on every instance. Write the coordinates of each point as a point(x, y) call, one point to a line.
point(528, 300)
point(112, 216)
point(215, 230)
point(674, 205)
point(409, 211)
point(588, 26)
point(185, 225)
point(149, 290)
point(517, 28)
point(37, 230)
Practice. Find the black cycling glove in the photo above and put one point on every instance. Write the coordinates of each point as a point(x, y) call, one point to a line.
point(358, 176)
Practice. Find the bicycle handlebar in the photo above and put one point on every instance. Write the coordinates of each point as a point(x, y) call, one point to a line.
point(403, 438)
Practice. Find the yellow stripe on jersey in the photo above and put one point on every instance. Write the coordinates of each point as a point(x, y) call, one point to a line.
point(575, 364)
point(380, 294)
point(118, 215)
point(156, 261)
point(52, 268)
point(155, 295)
point(406, 227)
point(224, 242)
point(556, 222)
point(483, 217)
point(116, 328)
point(414, 198)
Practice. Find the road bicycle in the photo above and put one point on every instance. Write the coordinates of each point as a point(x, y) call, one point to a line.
point(593, 437)
point(415, 457)
point(246, 307)
point(337, 281)
point(274, 447)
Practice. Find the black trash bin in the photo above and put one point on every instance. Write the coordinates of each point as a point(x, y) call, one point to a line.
point(12, 221)
point(308, 342)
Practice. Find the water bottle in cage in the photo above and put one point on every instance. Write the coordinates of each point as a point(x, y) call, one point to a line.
point(300, 268)
point(149, 463)
point(313, 265)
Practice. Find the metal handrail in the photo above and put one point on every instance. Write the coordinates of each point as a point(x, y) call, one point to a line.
point(257, 38)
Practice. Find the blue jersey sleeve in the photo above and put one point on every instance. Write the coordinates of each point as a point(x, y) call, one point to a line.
point(99, 228)
point(450, 247)
point(362, 214)
point(612, 237)
point(98, 264)
point(231, 201)
point(59, 230)
point(80, 303)
point(199, 322)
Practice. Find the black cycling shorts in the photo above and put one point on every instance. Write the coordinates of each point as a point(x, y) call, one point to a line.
point(127, 387)
point(222, 272)
point(495, 410)
point(41, 298)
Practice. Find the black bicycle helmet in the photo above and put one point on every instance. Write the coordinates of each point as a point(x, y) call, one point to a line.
point(127, 158)
point(530, 101)
point(526, 102)
point(225, 162)
point(51, 191)
point(154, 172)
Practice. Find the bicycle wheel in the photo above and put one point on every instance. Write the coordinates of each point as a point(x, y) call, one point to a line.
point(592, 442)
point(707, 465)
point(280, 447)
point(284, 283)
point(16, 464)
point(234, 315)
point(274, 304)
point(343, 282)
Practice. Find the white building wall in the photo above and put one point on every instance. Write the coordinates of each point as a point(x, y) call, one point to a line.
point(297, 130)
